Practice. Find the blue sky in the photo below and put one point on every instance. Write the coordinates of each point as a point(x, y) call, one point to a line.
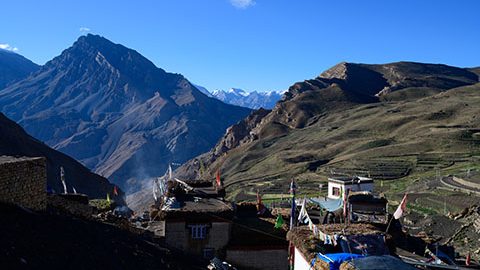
point(255, 45)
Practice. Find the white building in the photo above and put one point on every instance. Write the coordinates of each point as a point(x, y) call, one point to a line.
point(300, 263)
point(338, 185)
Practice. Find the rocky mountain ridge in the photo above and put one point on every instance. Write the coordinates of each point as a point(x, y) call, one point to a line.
point(112, 109)
point(14, 67)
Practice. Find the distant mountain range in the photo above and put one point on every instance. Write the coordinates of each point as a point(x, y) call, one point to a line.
point(115, 111)
point(14, 67)
point(239, 97)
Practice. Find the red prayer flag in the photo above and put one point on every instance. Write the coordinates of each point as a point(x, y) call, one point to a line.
point(217, 176)
point(115, 191)
point(468, 259)
point(260, 206)
point(401, 208)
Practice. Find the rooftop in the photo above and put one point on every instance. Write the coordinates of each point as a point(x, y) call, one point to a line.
point(304, 240)
point(191, 206)
point(350, 179)
point(364, 196)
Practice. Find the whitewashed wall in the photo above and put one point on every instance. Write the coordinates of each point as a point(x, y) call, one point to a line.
point(300, 261)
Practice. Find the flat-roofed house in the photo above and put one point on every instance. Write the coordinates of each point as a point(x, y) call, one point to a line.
point(340, 185)
point(196, 222)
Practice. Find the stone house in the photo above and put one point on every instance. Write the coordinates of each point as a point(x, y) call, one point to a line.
point(200, 227)
point(194, 220)
point(199, 222)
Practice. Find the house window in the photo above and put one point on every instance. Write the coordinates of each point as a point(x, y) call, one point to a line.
point(198, 231)
point(336, 191)
point(208, 253)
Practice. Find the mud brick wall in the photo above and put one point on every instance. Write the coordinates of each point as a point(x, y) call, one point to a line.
point(23, 181)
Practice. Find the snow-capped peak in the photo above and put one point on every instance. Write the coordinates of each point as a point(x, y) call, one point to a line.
point(240, 97)
point(238, 91)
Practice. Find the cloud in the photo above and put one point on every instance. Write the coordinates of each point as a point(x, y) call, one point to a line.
point(242, 4)
point(8, 47)
point(84, 29)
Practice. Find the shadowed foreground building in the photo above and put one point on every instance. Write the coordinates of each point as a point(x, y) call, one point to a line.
point(199, 222)
point(23, 181)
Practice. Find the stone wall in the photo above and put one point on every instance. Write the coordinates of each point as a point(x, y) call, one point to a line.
point(258, 259)
point(23, 181)
point(67, 206)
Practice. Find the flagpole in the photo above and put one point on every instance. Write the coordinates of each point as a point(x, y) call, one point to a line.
point(292, 214)
point(389, 223)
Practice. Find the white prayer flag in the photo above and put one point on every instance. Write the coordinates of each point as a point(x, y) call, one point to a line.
point(303, 215)
point(62, 177)
point(170, 172)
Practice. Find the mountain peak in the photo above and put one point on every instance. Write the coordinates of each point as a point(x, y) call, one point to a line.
point(339, 71)
point(90, 47)
point(238, 91)
point(96, 41)
point(95, 59)
point(253, 99)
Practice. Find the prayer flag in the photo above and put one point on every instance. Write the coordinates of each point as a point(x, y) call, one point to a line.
point(401, 208)
point(292, 213)
point(170, 172)
point(279, 222)
point(345, 202)
point(303, 215)
point(62, 177)
point(108, 198)
point(115, 191)
point(217, 177)
point(156, 188)
point(260, 207)
point(293, 187)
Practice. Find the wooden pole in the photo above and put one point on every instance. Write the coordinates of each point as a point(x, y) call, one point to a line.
point(389, 223)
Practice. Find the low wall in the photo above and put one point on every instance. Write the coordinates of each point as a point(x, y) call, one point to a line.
point(23, 181)
point(258, 259)
point(71, 207)
point(466, 183)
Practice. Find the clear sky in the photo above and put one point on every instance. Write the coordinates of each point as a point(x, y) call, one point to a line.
point(255, 45)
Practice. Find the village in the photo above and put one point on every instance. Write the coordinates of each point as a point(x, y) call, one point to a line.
point(348, 227)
